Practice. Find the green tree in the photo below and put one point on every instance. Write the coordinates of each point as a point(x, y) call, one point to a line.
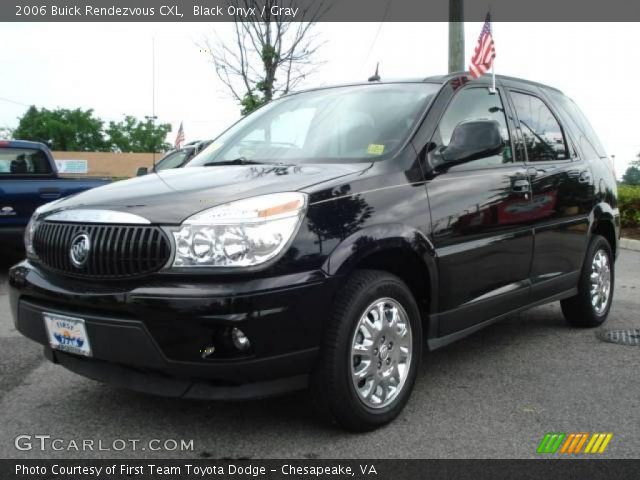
point(133, 135)
point(632, 175)
point(62, 129)
point(267, 56)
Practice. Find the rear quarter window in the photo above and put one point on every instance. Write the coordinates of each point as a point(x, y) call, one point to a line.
point(581, 122)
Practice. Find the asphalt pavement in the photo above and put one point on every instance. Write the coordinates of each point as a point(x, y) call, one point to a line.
point(492, 395)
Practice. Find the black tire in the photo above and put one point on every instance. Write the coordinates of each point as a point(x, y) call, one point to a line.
point(332, 386)
point(578, 310)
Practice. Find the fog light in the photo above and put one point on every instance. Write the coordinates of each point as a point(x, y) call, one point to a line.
point(240, 340)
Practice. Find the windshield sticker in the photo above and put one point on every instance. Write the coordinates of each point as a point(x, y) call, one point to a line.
point(374, 149)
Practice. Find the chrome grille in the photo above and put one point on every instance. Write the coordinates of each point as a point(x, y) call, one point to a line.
point(117, 251)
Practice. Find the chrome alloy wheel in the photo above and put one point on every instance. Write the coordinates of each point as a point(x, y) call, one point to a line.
point(381, 353)
point(600, 282)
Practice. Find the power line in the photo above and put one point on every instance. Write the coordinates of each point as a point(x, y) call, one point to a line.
point(375, 38)
point(13, 101)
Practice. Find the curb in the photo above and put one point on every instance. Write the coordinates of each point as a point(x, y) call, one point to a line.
point(630, 244)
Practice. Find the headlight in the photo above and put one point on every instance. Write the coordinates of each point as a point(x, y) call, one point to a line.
point(244, 233)
point(28, 235)
point(34, 221)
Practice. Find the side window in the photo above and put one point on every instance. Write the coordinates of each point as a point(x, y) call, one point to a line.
point(589, 141)
point(543, 135)
point(18, 161)
point(475, 104)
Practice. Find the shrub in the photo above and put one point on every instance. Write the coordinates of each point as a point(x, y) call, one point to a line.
point(629, 204)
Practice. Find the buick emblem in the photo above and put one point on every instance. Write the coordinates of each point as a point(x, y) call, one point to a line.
point(384, 352)
point(79, 251)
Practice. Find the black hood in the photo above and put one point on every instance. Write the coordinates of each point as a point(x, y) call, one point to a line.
point(171, 196)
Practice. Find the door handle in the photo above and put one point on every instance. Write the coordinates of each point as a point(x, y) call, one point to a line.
point(532, 171)
point(521, 186)
point(585, 177)
point(49, 193)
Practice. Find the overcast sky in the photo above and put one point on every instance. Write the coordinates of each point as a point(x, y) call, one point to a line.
point(108, 67)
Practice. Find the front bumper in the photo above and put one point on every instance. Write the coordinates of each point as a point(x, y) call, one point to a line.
point(149, 335)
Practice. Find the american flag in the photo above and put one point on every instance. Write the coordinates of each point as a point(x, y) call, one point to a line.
point(179, 137)
point(485, 51)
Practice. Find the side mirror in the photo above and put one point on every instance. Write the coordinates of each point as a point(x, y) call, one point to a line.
point(142, 171)
point(472, 140)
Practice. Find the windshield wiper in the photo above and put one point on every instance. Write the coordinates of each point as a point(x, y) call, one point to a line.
point(244, 161)
point(235, 161)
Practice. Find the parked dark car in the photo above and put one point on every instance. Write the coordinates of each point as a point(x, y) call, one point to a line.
point(326, 240)
point(29, 178)
point(177, 158)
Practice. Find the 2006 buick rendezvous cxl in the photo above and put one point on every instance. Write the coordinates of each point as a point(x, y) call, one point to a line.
point(327, 240)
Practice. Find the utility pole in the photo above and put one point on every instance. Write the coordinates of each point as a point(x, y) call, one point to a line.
point(153, 96)
point(456, 35)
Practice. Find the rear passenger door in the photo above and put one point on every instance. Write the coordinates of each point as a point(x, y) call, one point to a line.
point(482, 238)
point(562, 194)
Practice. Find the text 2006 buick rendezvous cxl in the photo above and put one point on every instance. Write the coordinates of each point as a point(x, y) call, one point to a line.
point(322, 239)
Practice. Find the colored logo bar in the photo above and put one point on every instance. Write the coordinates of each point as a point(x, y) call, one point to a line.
point(574, 443)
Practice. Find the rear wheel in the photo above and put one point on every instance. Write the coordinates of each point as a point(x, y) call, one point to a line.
point(590, 307)
point(371, 353)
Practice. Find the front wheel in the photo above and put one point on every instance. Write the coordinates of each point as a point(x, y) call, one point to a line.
point(590, 307)
point(371, 353)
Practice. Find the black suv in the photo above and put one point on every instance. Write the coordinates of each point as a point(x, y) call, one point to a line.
point(327, 240)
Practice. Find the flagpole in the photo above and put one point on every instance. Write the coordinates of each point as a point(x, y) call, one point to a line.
point(493, 63)
point(153, 95)
point(493, 75)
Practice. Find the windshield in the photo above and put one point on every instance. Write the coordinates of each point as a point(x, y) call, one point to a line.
point(357, 123)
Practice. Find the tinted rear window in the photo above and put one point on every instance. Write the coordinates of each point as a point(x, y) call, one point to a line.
point(580, 121)
point(23, 161)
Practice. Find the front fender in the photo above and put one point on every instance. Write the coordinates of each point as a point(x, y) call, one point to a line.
point(377, 238)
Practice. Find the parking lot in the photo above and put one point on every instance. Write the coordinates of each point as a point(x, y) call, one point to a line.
point(492, 395)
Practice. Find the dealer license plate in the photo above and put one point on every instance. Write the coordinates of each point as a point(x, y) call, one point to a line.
point(67, 334)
